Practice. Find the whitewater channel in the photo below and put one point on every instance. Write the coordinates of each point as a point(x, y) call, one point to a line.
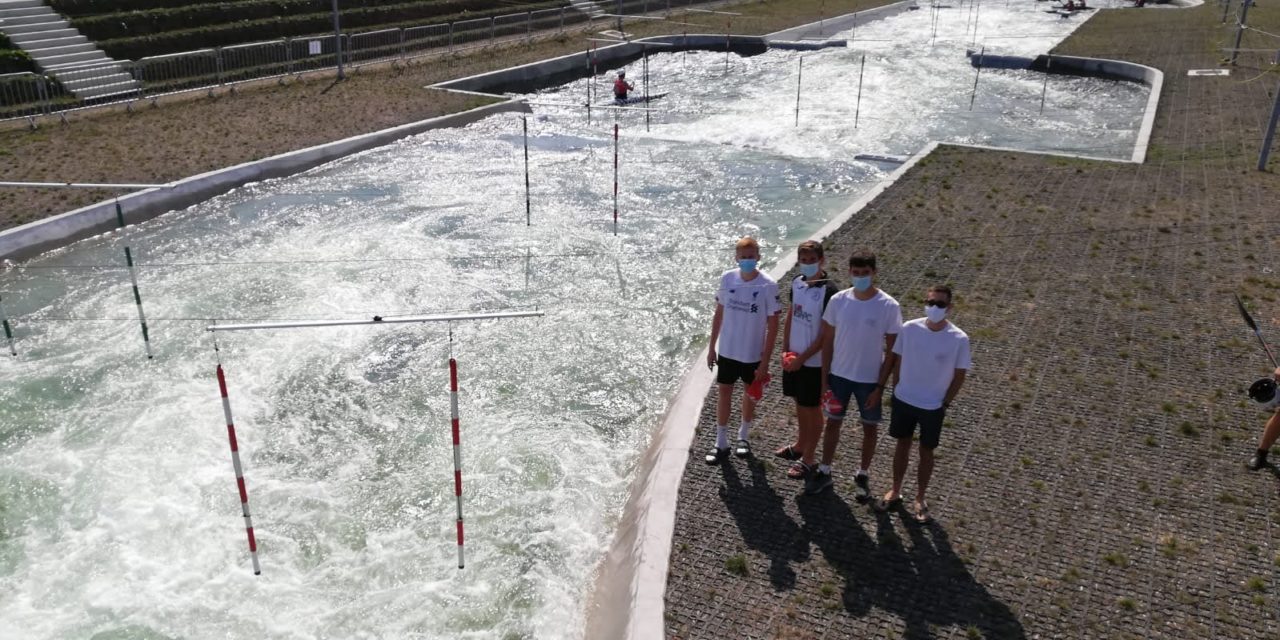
point(119, 515)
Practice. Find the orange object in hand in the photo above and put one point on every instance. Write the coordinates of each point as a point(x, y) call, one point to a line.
point(831, 405)
point(788, 358)
point(755, 390)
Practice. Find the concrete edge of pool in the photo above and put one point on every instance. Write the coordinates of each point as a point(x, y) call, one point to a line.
point(627, 599)
point(57, 231)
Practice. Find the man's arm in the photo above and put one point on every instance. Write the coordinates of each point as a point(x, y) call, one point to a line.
point(952, 390)
point(897, 370)
point(715, 334)
point(786, 330)
point(770, 341)
point(828, 342)
point(886, 370)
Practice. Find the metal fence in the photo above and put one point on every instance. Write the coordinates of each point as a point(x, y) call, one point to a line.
point(24, 94)
point(32, 94)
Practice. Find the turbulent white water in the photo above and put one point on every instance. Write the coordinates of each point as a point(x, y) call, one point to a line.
point(118, 511)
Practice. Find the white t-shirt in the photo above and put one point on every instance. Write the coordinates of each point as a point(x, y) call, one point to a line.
point(747, 305)
point(861, 326)
point(929, 362)
point(808, 300)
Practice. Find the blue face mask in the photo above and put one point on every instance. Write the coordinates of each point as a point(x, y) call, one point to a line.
point(862, 284)
point(808, 270)
point(747, 265)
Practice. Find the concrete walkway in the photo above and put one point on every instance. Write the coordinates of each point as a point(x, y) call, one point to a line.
point(1090, 482)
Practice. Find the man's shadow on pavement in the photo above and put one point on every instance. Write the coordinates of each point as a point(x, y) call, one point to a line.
point(925, 585)
point(763, 523)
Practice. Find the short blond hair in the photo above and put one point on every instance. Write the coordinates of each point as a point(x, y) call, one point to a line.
point(747, 242)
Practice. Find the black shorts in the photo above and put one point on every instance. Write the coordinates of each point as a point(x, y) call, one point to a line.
point(905, 417)
point(730, 371)
point(805, 385)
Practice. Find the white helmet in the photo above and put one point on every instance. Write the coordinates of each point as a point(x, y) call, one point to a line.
point(1263, 392)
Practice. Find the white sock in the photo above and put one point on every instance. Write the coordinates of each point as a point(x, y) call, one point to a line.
point(722, 437)
point(744, 430)
point(825, 468)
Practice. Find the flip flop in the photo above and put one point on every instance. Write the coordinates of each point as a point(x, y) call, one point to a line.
point(885, 506)
point(788, 453)
point(922, 513)
point(799, 470)
point(743, 449)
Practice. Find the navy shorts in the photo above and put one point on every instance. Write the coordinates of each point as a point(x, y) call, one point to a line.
point(905, 417)
point(844, 390)
point(730, 371)
point(804, 384)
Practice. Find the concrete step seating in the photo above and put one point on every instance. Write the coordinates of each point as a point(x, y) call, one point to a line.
point(62, 52)
point(33, 40)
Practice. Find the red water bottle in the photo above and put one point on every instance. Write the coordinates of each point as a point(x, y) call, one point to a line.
point(755, 390)
point(830, 405)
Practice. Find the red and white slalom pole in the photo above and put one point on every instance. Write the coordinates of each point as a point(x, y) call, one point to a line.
point(235, 462)
point(457, 453)
point(615, 178)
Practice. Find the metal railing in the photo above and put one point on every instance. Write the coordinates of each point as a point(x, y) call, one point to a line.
point(28, 95)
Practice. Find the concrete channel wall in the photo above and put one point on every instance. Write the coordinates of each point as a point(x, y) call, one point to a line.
point(50, 233)
point(1094, 68)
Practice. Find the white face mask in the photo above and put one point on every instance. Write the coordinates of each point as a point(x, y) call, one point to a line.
point(935, 314)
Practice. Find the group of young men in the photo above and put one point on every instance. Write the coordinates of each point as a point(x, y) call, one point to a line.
point(841, 349)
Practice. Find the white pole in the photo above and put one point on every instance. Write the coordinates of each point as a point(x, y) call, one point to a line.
point(457, 450)
point(82, 185)
point(8, 332)
point(857, 110)
point(974, 95)
point(137, 300)
point(376, 320)
point(235, 463)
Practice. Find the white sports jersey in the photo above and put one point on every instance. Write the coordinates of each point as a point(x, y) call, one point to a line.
point(808, 300)
point(747, 306)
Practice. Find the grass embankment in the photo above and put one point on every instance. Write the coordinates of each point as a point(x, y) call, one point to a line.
point(197, 134)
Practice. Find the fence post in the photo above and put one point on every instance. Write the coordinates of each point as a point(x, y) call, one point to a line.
point(288, 56)
point(528, 26)
point(217, 55)
point(561, 19)
point(451, 37)
point(1244, 16)
point(43, 92)
point(493, 30)
point(1271, 133)
point(402, 51)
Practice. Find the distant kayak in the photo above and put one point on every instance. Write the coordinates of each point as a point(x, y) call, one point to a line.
point(634, 100)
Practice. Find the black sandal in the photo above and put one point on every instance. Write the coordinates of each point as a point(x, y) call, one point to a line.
point(885, 506)
point(799, 470)
point(788, 453)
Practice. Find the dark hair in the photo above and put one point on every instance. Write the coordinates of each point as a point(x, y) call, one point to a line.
point(941, 288)
point(863, 258)
point(810, 245)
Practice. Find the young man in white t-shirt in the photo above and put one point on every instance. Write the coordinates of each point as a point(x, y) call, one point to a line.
point(802, 354)
point(933, 358)
point(744, 332)
point(859, 328)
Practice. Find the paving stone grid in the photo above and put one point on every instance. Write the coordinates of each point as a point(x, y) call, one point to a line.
point(1090, 482)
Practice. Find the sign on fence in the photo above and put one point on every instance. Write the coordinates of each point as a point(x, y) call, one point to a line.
point(313, 48)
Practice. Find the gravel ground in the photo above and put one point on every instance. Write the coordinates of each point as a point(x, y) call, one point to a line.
point(1090, 482)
